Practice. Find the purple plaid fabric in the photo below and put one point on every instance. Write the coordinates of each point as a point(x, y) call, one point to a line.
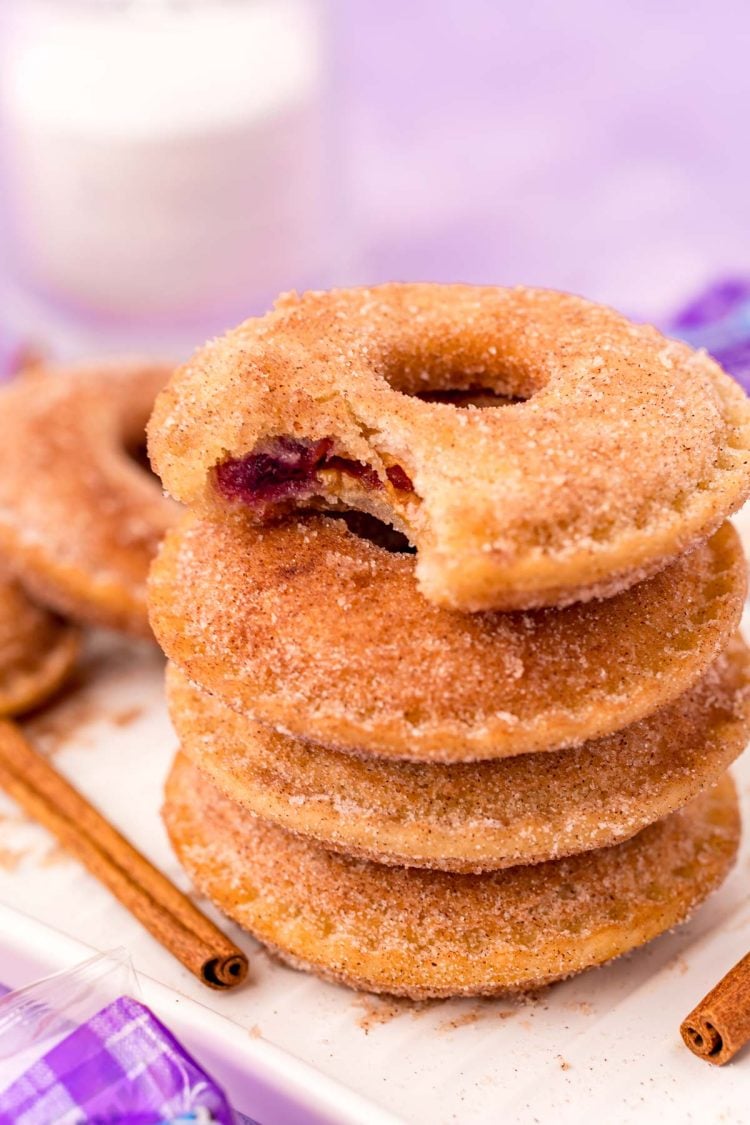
point(121, 1066)
point(719, 321)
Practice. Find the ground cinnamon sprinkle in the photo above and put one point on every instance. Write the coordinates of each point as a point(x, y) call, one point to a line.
point(126, 717)
point(54, 856)
point(379, 1009)
point(484, 1010)
point(464, 1020)
point(53, 730)
point(10, 858)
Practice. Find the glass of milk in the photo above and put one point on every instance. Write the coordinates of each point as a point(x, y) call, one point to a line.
point(165, 166)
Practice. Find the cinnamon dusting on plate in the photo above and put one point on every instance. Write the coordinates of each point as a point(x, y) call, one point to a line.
point(381, 1009)
point(52, 730)
point(484, 1010)
point(54, 856)
point(10, 858)
point(127, 716)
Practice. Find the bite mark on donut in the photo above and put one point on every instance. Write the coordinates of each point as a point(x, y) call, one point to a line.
point(286, 469)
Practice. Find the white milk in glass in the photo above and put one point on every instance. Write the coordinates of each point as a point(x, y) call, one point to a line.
point(164, 163)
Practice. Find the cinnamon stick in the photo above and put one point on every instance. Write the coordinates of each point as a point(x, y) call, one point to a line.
point(167, 913)
point(720, 1025)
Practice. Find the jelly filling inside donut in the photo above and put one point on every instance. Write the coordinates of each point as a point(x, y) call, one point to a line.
point(399, 478)
point(282, 470)
point(286, 468)
point(365, 474)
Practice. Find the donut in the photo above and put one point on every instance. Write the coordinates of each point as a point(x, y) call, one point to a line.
point(80, 519)
point(610, 449)
point(38, 650)
point(480, 815)
point(322, 634)
point(424, 933)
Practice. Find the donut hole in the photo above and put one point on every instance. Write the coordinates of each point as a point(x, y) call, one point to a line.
point(481, 398)
point(454, 369)
point(368, 527)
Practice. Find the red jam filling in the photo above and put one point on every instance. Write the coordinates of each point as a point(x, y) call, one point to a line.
point(399, 479)
point(286, 468)
point(363, 473)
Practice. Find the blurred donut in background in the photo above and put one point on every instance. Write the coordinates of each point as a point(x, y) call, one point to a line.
point(37, 650)
point(81, 515)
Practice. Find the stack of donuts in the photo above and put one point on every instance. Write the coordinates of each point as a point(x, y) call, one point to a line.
point(452, 630)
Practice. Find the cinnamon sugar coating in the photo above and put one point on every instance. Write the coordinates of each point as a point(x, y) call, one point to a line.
point(431, 933)
point(38, 650)
point(625, 448)
point(482, 815)
point(80, 520)
point(324, 635)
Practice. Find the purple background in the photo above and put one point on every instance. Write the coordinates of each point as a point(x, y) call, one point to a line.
point(587, 146)
point(597, 147)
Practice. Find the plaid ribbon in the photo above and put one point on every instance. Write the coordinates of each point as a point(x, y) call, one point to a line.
point(121, 1066)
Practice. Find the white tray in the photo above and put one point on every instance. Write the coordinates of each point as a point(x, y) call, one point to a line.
point(602, 1047)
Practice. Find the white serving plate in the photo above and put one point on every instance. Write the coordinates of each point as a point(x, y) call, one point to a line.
point(290, 1048)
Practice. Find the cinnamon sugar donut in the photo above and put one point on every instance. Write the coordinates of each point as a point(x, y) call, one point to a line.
point(323, 635)
point(482, 815)
point(616, 451)
point(80, 519)
point(38, 650)
point(432, 933)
